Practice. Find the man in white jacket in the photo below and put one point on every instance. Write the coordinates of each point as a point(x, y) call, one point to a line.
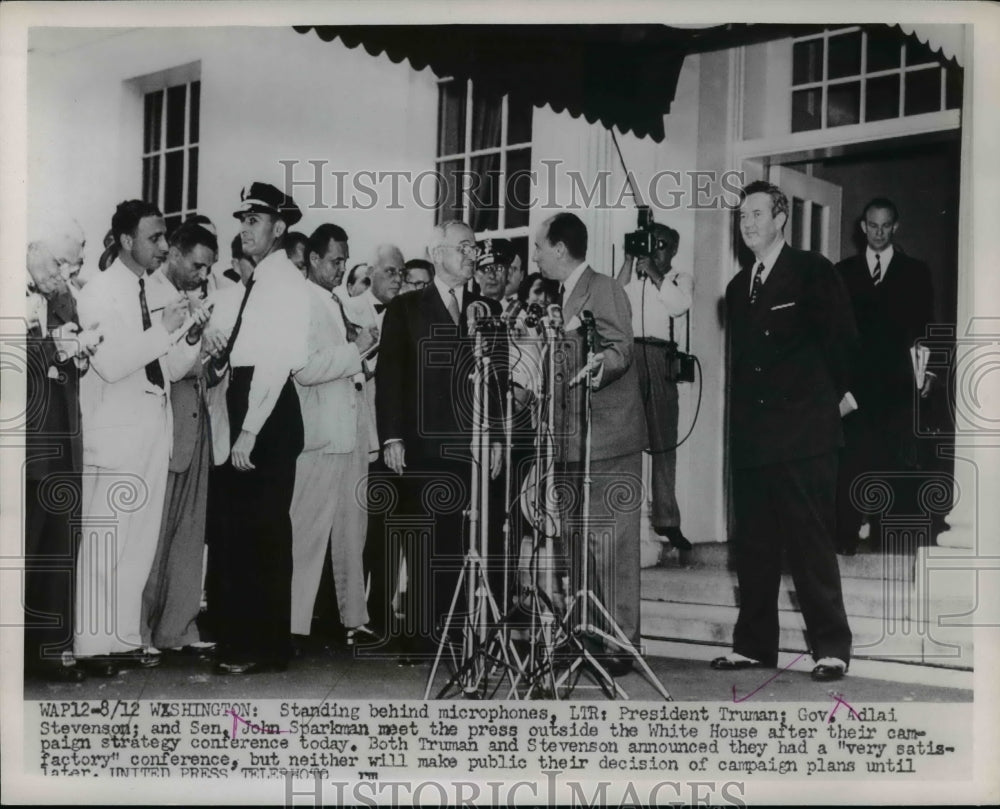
point(125, 406)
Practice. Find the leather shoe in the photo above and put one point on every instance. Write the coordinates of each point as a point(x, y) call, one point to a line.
point(616, 665)
point(135, 659)
point(824, 674)
point(249, 667)
point(191, 652)
point(98, 667)
point(60, 674)
point(726, 663)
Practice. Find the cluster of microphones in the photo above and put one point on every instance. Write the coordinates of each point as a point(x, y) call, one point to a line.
point(536, 318)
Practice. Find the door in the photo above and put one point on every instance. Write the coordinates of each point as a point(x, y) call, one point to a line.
point(814, 210)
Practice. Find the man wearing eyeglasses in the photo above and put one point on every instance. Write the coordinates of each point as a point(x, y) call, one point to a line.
point(492, 266)
point(418, 275)
point(423, 403)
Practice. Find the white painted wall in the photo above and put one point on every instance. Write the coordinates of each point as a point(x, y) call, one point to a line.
point(268, 94)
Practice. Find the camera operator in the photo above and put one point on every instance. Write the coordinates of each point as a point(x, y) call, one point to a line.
point(658, 293)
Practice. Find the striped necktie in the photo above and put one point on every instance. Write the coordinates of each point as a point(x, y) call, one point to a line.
point(453, 306)
point(153, 371)
point(758, 282)
point(877, 271)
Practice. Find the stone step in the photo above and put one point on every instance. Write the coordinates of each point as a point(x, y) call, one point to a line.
point(861, 566)
point(901, 641)
point(863, 597)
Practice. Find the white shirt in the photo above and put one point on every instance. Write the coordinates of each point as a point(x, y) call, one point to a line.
point(571, 281)
point(768, 261)
point(273, 336)
point(445, 293)
point(652, 308)
point(885, 256)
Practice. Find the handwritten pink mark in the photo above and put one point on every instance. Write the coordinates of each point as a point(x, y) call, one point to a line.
point(841, 701)
point(769, 679)
point(259, 728)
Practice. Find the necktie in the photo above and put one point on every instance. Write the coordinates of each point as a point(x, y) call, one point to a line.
point(757, 284)
point(153, 371)
point(877, 271)
point(562, 295)
point(379, 308)
point(453, 306)
point(223, 358)
point(351, 330)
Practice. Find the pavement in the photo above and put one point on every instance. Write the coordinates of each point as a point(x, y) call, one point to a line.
point(329, 672)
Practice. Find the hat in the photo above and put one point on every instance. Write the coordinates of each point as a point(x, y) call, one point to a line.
point(265, 198)
point(494, 251)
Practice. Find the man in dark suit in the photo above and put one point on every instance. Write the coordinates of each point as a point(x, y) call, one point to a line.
point(423, 406)
point(57, 354)
point(618, 429)
point(892, 298)
point(789, 328)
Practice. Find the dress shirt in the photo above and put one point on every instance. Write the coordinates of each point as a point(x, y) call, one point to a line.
point(443, 291)
point(768, 262)
point(652, 308)
point(273, 334)
point(885, 255)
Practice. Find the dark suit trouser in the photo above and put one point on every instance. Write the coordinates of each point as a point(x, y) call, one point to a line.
point(171, 600)
point(659, 397)
point(382, 551)
point(616, 497)
point(50, 561)
point(255, 532)
point(790, 506)
point(879, 446)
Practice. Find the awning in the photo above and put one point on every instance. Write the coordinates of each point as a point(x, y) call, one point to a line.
point(624, 76)
point(621, 75)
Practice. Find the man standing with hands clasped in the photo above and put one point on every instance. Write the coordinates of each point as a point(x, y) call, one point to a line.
point(790, 330)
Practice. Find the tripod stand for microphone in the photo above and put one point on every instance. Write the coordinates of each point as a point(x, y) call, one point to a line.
point(585, 600)
point(486, 648)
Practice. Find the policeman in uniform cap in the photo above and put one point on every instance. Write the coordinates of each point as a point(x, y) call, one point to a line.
point(265, 346)
point(492, 266)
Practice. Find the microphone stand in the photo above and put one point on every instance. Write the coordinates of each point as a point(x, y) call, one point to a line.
point(585, 598)
point(471, 678)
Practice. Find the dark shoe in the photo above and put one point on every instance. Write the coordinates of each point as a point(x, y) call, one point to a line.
point(408, 661)
point(98, 667)
point(726, 663)
point(59, 673)
point(249, 667)
point(829, 670)
point(616, 665)
point(135, 659)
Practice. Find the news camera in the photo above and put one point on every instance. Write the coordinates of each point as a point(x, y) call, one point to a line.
point(641, 242)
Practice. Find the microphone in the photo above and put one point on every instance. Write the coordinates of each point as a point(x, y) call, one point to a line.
point(555, 316)
point(591, 327)
point(475, 311)
point(512, 312)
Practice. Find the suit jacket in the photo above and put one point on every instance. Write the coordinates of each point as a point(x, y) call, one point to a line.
point(618, 424)
point(327, 396)
point(54, 436)
point(890, 317)
point(423, 393)
point(113, 395)
point(788, 360)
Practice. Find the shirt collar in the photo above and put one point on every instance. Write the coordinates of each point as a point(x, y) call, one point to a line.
point(572, 280)
point(443, 289)
point(769, 259)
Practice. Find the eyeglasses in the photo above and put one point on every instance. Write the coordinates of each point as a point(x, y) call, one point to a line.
point(465, 247)
point(417, 284)
point(496, 269)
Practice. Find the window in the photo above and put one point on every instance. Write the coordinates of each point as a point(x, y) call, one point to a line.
point(170, 133)
point(483, 159)
point(848, 76)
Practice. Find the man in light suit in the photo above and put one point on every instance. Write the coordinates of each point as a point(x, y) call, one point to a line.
point(618, 431)
point(171, 600)
point(386, 275)
point(893, 301)
point(126, 439)
point(326, 510)
point(790, 331)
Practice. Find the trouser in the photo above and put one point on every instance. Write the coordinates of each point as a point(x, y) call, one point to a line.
point(51, 520)
point(616, 496)
point(788, 506)
point(122, 510)
point(171, 600)
point(659, 396)
point(255, 531)
point(327, 513)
